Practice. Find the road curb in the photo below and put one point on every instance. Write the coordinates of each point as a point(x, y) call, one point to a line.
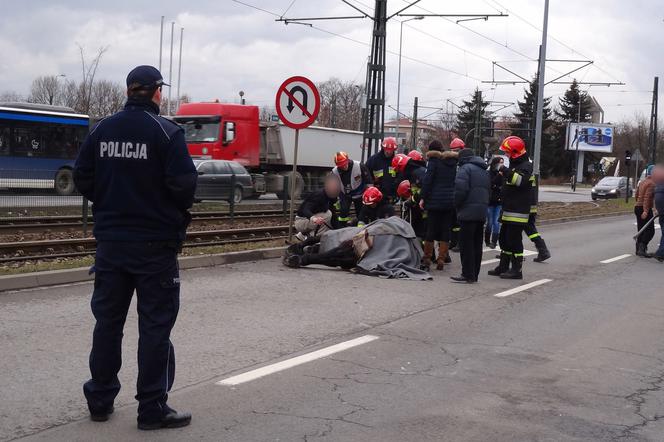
point(69, 276)
point(570, 219)
point(81, 274)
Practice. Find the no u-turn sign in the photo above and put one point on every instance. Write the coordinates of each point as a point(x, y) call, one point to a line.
point(298, 102)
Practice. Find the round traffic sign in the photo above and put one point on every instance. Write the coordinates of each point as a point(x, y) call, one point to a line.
point(298, 102)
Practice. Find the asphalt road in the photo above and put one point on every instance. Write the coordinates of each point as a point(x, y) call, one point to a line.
point(576, 358)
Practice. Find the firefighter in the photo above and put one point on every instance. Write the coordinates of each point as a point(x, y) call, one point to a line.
point(410, 167)
point(374, 206)
point(410, 207)
point(354, 178)
point(455, 146)
point(543, 252)
point(380, 165)
point(516, 194)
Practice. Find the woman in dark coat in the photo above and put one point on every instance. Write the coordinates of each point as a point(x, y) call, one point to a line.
point(437, 198)
point(492, 229)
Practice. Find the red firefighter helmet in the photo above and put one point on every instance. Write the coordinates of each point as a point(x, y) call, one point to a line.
point(415, 155)
point(399, 162)
point(341, 159)
point(513, 146)
point(457, 143)
point(372, 195)
point(390, 144)
point(403, 189)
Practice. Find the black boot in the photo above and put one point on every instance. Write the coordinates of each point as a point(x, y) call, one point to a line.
point(640, 249)
point(494, 240)
point(487, 238)
point(515, 271)
point(542, 250)
point(503, 266)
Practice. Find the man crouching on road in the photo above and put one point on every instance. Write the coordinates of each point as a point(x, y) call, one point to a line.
point(134, 166)
point(317, 214)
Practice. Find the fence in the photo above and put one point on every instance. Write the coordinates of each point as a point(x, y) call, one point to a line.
point(40, 193)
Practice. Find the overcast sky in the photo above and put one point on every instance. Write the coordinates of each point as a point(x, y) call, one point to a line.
point(230, 47)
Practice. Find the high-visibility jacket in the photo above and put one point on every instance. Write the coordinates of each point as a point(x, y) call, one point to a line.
point(383, 174)
point(517, 191)
point(353, 180)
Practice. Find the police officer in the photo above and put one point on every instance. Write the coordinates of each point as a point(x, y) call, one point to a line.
point(380, 165)
point(516, 193)
point(135, 168)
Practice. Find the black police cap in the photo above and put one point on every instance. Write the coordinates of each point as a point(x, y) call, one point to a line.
point(145, 77)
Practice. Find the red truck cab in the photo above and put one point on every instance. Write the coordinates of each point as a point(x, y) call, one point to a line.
point(221, 131)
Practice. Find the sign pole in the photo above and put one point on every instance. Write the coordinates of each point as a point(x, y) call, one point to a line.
point(291, 215)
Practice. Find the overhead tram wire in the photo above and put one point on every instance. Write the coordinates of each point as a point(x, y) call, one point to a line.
point(416, 60)
point(562, 43)
point(504, 45)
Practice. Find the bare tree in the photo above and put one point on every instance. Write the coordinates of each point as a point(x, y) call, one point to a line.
point(89, 71)
point(11, 96)
point(46, 89)
point(163, 108)
point(106, 98)
point(340, 104)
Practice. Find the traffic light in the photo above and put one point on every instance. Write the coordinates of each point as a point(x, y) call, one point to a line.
point(628, 156)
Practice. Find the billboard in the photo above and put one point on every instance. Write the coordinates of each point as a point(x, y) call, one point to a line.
point(590, 137)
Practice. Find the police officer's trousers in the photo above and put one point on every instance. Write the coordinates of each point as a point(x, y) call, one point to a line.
point(152, 270)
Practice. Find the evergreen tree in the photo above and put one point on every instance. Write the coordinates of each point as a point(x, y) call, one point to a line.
point(570, 111)
point(468, 117)
point(554, 159)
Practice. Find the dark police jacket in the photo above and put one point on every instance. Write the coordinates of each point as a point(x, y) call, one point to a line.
point(135, 168)
point(384, 175)
point(517, 190)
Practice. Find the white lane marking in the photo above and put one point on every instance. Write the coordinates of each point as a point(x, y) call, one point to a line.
point(617, 258)
point(495, 260)
point(522, 288)
point(294, 362)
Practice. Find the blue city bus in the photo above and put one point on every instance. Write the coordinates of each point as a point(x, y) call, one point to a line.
point(38, 146)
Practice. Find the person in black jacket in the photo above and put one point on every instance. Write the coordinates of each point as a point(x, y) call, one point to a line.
point(516, 195)
point(495, 203)
point(437, 197)
point(380, 166)
point(471, 199)
point(134, 166)
point(317, 212)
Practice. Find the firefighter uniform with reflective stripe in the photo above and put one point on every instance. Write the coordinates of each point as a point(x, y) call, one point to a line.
point(517, 194)
point(383, 174)
point(543, 252)
point(353, 182)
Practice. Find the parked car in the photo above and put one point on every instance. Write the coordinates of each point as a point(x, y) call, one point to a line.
point(215, 181)
point(611, 187)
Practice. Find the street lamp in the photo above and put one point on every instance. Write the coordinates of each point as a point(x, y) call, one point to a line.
point(242, 97)
point(419, 17)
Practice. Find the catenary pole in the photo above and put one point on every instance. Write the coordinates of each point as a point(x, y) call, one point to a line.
point(177, 99)
point(537, 151)
point(170, 70)
point(161, 41)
